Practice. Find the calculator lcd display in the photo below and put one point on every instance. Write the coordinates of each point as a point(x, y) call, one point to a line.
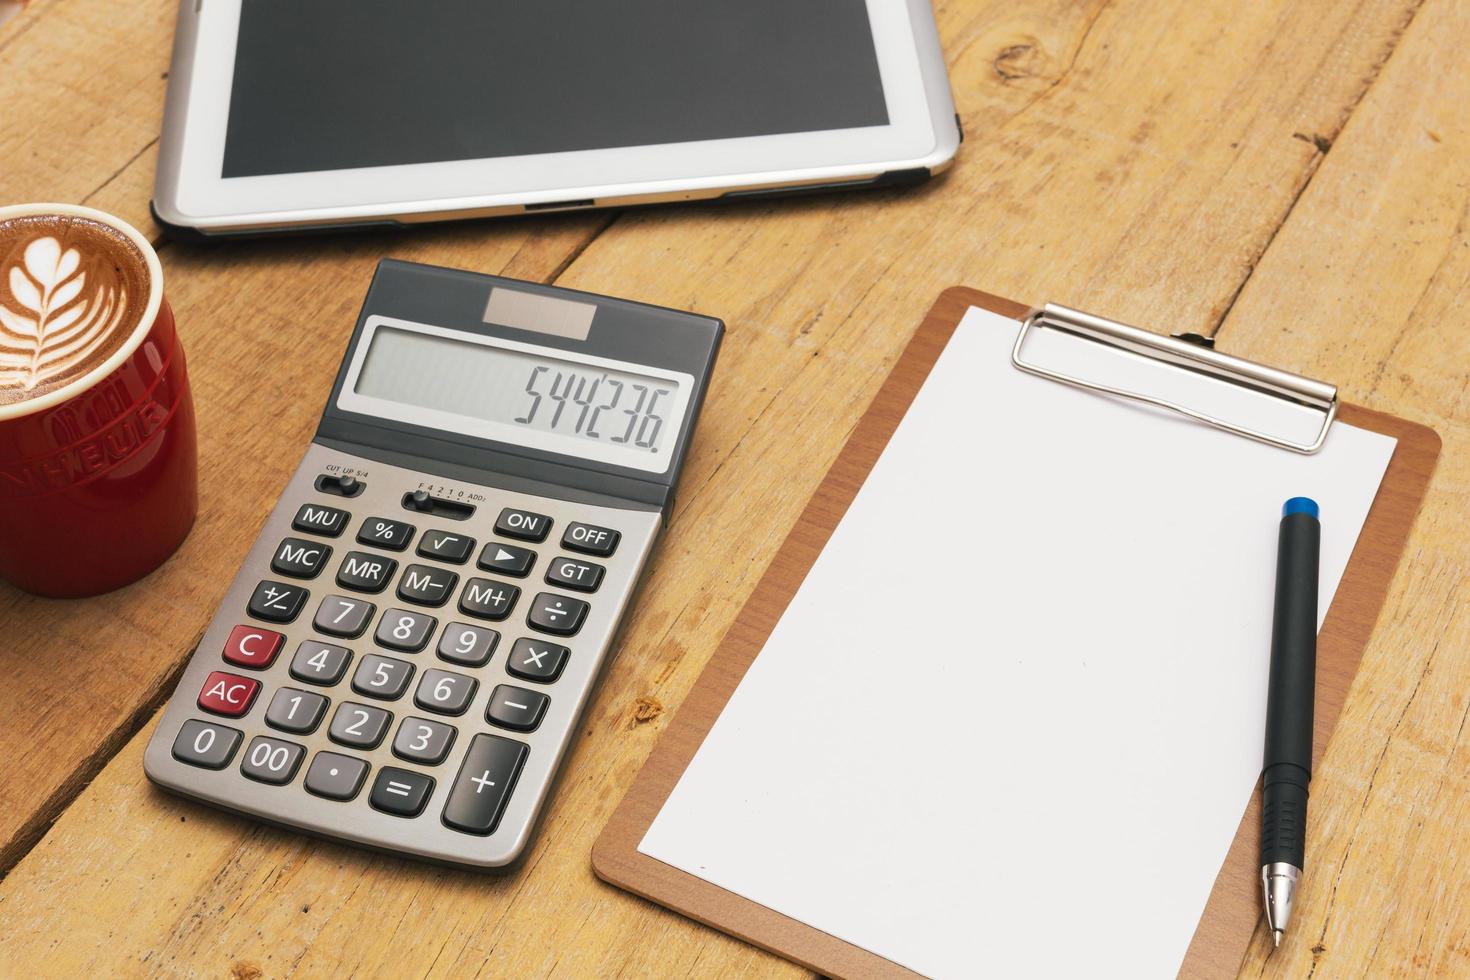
point(529, 396)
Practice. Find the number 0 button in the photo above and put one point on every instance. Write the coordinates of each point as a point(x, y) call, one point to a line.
point(445, 692)
point(208, 746)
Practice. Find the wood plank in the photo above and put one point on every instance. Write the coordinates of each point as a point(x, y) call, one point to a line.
point(1131, 158)
point(1366, 284)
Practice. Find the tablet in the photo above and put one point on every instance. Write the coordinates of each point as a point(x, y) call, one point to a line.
point(287, 115)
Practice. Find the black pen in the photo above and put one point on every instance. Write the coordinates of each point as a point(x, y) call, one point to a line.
point(1293, 686)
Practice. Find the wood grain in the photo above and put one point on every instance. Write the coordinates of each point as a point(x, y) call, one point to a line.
point(1133, 158)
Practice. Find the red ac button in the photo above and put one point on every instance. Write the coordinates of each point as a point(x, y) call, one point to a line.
point(252, 647)
point(227, 694)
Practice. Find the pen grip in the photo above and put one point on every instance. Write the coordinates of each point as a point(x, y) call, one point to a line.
point(1287, 767)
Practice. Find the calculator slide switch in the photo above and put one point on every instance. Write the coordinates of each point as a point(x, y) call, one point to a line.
point(341, 486)
point(228, 694)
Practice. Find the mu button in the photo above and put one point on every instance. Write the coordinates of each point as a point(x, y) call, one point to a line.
point(228, 694)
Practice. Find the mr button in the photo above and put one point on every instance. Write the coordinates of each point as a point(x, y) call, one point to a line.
point(228, 694)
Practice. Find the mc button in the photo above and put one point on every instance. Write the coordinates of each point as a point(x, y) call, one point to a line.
point(228, 694)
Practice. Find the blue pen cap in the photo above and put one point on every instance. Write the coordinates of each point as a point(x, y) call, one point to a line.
point(1299, 505)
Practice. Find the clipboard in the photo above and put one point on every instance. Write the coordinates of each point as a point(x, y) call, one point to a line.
point(1229, 918)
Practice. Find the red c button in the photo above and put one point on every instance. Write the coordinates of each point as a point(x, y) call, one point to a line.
point(250, 646)
point(228, 694)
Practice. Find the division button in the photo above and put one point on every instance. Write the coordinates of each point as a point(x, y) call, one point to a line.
point(590, 539)
point(537, 660)
point(206, 745)
point(507, 559)
point(482, 788)
point(556, 614)
point(401, 792)
point(522, 524)
point(277, 602)
point(516, 708)
point(336, 777)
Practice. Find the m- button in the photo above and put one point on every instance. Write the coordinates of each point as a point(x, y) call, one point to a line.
point(228, 694)
point(522, 524)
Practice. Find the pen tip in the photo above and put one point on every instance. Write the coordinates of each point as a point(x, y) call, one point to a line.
point(1276, 934)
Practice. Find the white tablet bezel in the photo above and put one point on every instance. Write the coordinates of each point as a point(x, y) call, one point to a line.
point(191, 193)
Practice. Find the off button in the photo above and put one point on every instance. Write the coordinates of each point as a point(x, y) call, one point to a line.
point(590, 539)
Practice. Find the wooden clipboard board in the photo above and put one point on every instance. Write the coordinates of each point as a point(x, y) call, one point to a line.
point(1230, 916)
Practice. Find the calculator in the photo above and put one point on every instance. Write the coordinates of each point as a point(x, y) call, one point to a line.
point(403, 657)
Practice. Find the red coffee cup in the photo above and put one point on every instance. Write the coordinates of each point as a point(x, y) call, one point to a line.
point(98, 476)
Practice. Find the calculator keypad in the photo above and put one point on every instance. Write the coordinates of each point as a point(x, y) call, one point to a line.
point(404, 674)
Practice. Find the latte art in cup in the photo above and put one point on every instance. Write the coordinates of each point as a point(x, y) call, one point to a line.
point(72, 291)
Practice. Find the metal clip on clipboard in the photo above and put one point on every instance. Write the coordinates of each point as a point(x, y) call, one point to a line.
point(1189, 355)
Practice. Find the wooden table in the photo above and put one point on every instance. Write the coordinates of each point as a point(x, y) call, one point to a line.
point(1289, 175)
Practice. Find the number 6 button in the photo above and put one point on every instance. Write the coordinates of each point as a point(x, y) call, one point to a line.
point(444, 692)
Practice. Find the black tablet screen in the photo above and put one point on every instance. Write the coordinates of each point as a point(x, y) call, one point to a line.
point(329, 84)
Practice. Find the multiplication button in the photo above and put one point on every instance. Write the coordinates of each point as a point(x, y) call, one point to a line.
point(534, 660)
point(483, 786)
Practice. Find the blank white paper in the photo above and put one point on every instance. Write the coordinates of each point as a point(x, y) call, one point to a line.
point(1010, 722)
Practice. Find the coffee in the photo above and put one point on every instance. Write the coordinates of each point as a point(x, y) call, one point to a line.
point(72, 290)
